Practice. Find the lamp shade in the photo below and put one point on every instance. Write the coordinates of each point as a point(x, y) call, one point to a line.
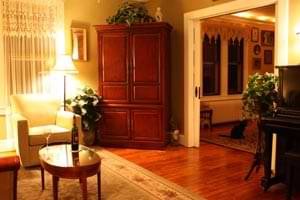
point(64, 65)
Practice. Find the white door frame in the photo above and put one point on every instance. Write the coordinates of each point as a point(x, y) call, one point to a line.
point(192, 54)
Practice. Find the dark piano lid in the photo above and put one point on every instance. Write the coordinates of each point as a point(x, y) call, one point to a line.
point(290, 112)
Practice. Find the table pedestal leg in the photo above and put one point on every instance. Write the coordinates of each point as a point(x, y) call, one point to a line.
point(55, 180)
point(43, 178)
point(84, 188)
point(99, 184)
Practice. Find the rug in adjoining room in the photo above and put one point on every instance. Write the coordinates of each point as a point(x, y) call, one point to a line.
point(216, 136)
point(121, 180)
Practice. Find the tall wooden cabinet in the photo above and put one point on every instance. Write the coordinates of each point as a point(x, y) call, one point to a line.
point(134, 81)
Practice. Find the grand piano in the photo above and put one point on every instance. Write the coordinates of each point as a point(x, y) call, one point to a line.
point(285, 123)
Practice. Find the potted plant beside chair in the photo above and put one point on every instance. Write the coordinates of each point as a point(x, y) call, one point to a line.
point(85, 104)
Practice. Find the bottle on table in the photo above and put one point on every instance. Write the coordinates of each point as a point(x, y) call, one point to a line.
point(74, 141)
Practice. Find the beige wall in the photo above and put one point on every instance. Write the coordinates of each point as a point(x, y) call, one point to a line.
point(2, 127)
point(85, 14)
point(294, 40)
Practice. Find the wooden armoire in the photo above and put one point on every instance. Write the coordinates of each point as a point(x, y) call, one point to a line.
point(134, 81)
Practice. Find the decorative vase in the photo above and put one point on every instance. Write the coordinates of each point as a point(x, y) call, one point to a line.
point(158, 15)
point(175, 137)
point(88, 138)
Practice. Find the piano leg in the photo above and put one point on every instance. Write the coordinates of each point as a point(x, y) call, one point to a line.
point(266, 181)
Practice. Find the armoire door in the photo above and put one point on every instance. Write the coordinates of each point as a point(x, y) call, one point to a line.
point(146, 66)
point(114, 70)
point(146, 125)
point(115, 124)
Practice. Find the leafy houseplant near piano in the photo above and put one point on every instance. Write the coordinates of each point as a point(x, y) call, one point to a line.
point(85, 104)
point(260, 95)
point(259, 99)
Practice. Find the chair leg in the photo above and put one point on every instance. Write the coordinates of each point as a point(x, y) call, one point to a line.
point(15, 185)
point(43, 178)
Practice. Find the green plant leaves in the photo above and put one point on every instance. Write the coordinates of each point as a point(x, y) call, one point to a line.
point(130, 13)
point(85, 104)
point(260, 95)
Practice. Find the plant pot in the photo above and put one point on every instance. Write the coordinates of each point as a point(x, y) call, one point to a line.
point(88, 138)
point(175, 137)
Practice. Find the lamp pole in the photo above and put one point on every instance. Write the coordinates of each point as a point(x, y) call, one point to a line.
point(64, 65)
point(64, 92)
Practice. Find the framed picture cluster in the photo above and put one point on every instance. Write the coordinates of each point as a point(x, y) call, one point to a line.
point(264, 42)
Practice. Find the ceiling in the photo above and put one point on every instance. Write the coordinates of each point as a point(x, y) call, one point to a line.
point(265, 14)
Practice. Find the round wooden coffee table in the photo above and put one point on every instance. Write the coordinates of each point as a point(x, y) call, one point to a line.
point(61, 162)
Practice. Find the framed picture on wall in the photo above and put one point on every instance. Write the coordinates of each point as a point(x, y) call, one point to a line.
point(254, 35)
point(267, 38)
point(256, 49)
point(268, 57)
point(256, 63)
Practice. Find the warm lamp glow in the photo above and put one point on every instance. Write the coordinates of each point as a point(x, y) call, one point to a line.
point(64, 65)
point(254, 16)
point(263, 18)
point(243, 14)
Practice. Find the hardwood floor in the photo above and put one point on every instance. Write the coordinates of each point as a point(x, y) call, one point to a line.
point(211, 171)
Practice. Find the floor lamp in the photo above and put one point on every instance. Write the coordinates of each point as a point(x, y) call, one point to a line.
point(64, 65)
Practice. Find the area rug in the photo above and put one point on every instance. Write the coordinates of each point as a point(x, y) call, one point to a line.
point(121, 180)
point(247, 144)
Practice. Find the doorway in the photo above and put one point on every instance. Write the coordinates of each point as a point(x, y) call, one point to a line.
point(193, 50)
point(234, 47)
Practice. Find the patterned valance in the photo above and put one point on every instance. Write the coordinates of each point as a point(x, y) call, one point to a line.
point(30, 17)
point(226, 30)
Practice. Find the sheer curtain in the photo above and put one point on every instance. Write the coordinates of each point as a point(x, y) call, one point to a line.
point(30, 31)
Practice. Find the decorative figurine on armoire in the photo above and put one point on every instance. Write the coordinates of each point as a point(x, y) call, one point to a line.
point(158, 15)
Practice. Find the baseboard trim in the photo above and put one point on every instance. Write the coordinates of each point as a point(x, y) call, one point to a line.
point(182, 140)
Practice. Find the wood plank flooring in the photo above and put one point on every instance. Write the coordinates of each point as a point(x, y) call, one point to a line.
point(211, 171)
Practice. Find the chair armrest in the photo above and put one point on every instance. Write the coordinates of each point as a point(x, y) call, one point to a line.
point(21, 131)
point(11, 163)
point(65, 119)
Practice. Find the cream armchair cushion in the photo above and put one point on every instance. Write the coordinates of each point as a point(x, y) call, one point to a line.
point(58, 134)
point(33, 117)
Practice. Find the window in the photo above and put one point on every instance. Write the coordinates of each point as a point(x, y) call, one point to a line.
point(211, 65)
point(28, 44)
point(235, 66)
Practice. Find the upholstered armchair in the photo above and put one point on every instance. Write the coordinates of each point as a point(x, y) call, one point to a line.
point(33, 117)
point(9, 167)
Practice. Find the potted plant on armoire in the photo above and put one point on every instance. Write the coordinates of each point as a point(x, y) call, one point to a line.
point(259, 99)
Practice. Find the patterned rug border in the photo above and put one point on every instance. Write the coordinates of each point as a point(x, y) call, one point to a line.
point(148, 173)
